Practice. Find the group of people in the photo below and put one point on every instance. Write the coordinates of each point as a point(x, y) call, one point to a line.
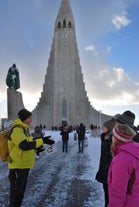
point(65, 137)
point(23, 146)
point(119, 161)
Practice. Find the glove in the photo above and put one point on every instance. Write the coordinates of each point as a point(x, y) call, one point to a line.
point(40, 149)
point(46, 140)
point(47, 136)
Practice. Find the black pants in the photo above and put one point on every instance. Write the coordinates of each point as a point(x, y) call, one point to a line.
point(65, 145)
point(105, 188)
point(18, 181)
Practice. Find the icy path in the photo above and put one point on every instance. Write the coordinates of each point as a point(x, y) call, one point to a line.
point(61, 179)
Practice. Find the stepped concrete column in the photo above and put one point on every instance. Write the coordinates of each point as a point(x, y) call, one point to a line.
point(14, 103)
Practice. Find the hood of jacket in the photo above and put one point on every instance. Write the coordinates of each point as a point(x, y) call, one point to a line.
point(131, 148)
point(19, 122)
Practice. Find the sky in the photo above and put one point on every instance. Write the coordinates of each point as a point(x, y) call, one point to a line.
point(58, 178)
point(107, 37)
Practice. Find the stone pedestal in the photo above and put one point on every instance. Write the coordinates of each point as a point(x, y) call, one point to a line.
point(14, 103)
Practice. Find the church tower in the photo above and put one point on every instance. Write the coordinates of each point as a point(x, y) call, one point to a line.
point(64, 98)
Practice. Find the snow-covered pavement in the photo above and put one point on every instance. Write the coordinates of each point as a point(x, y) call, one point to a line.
point(61, 179)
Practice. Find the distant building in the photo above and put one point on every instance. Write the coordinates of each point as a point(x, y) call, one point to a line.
point(64, 98)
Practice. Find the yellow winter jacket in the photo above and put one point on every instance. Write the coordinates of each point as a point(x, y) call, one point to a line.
point(18, 158)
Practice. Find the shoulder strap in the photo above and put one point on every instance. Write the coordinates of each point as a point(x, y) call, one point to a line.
point(9, 136)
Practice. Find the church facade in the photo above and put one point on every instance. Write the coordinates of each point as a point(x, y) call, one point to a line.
point(64, 98)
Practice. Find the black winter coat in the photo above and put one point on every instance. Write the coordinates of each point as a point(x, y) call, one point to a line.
point(81, 132)
point(105, 157)
point(65, 135)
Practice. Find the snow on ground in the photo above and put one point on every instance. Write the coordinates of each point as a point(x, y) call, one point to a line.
point(61, 179)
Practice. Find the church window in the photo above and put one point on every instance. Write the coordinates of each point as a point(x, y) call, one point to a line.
point(59, 25)
point(64, 108)
point(64, 23)
point(69, 24)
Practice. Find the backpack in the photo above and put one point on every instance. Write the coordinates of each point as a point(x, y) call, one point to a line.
point(4, 153)
point(4, 136)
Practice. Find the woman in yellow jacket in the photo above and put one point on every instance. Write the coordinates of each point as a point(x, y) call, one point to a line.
point(21, 155)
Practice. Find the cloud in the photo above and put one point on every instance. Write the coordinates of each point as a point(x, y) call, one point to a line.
point(108, 84)
point(92, 49)
point(120, 21)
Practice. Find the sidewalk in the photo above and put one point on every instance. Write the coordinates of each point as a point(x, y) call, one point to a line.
point(61, 179)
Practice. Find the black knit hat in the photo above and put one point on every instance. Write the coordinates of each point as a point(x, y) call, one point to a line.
point(126, 118)
point(23, 114)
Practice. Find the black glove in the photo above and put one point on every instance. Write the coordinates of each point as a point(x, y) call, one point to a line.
point(40, 149)
point(46, 140)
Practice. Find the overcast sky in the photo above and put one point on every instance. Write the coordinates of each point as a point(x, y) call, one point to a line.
point(107, 35)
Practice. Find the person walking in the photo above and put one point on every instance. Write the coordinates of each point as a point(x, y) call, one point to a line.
point(81, 137)
point(105, 156)
point(22, 155)
point(65, 138)
point(123, 176)
point(37, 134)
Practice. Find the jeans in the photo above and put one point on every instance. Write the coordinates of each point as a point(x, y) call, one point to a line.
point(81, 145)
point(18, 181)
point(65, 145)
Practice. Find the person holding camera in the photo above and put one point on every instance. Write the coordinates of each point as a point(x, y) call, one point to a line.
point(22, 149)
point(65, 138)
point(37, 134)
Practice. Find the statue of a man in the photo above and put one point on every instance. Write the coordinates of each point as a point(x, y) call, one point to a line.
point(12, 79)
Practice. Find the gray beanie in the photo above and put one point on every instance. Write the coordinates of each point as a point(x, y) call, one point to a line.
point(126, 118)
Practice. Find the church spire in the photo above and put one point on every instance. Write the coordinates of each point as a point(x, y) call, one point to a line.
point(64, 98)
point(65, 17)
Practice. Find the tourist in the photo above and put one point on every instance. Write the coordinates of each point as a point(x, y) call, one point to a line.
point(123, 176)
point(38, 134)
point(105, 156)
point(22, 155)
point(65, 138)
point(81, 137)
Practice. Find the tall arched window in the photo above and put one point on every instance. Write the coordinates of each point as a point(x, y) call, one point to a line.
point(64, 23)
point(69, 24)
point(59, 25)
point(64, 108)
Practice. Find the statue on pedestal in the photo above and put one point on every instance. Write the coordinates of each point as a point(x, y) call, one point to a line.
point(12, 79)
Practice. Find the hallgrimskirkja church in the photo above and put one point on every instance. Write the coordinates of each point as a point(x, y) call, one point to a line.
point(64, 98)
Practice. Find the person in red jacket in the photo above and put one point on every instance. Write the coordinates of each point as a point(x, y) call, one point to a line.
point(123, 176)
